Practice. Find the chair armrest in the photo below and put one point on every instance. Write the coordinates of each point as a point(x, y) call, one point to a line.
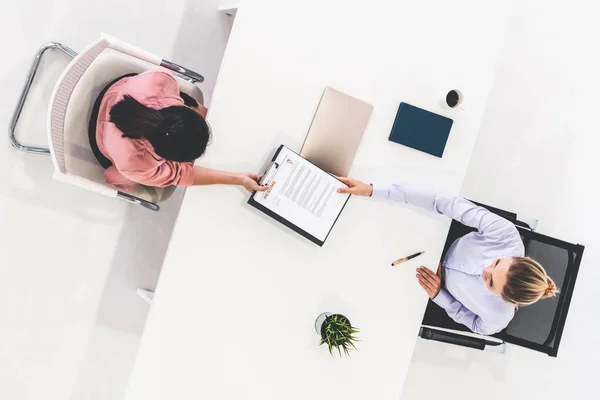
point(187, 74)
point(452, 338)
point(126, 48)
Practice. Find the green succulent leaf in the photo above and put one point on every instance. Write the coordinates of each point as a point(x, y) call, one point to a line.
point(339, 334)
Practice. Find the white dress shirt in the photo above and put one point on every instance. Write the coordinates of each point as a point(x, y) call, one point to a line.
point(464, 295)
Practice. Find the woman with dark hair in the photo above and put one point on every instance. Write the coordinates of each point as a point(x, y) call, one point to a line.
point(145, 131)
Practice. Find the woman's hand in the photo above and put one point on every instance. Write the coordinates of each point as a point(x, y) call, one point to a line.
point(429, 281)
point(250, 182)
point(356, 187)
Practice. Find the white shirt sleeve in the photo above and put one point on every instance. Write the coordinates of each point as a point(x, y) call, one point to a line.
point(463, 315)
point(487, 223)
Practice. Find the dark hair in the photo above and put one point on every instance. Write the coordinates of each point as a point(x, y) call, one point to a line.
point(177, 133)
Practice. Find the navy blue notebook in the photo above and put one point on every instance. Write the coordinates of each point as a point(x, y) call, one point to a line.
point(420, 129)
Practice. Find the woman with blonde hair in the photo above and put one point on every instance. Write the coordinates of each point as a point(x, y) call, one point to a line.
point(486, 276)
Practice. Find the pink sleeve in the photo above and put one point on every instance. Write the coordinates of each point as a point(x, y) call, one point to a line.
point(163, 173)
point(118, 180)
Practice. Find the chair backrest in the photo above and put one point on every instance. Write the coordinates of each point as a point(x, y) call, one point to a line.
point(57, 117)
point(540, 325)
point(72, 102)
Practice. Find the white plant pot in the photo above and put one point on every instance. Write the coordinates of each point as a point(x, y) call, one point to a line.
point(319, 321)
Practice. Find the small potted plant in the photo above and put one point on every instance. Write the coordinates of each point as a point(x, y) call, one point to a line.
point(337, 332)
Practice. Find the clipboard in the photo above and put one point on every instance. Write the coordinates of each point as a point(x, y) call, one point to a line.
point(265, 180)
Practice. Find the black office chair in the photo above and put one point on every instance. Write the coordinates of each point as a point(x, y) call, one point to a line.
point(538, 326)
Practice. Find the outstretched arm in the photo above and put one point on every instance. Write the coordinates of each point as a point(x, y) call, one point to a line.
point(486, 222)
point(208, 176)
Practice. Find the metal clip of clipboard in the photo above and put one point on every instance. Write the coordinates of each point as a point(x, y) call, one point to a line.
point(269, 174)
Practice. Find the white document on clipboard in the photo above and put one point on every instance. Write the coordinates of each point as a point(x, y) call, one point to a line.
point(301, 195)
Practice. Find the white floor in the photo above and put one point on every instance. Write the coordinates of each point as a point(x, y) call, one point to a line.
point(70, 321)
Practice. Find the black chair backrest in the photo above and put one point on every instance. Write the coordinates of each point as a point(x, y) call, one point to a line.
point(539, 326)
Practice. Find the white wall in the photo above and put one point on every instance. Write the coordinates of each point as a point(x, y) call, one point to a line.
point(536, 154)
point(70, 260)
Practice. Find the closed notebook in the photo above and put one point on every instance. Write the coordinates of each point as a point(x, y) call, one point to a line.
point(421, 129)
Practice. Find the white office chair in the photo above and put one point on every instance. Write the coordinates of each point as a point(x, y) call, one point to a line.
point(71, 104)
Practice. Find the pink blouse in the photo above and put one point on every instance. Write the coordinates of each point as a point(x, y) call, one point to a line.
point(134, 160)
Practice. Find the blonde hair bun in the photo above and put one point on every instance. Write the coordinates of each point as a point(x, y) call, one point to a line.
point(551, 290)
point(527, 282)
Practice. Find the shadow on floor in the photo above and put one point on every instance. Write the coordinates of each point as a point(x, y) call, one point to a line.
point(121, 314)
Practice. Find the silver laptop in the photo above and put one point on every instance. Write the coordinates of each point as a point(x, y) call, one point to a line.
point(336, 131)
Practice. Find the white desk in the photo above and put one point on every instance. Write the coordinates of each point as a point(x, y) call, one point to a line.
point(234, 309)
